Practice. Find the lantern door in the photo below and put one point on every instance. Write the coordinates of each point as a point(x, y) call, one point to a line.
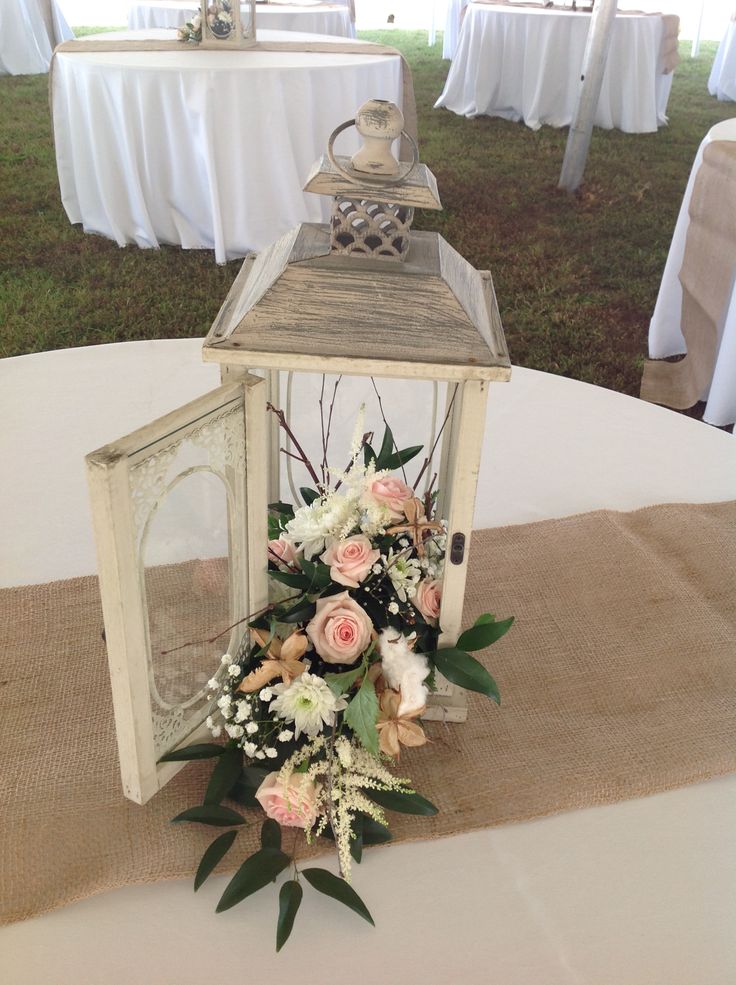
point(179, 510)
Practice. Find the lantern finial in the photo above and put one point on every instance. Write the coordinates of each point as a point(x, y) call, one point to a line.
point(374, 194)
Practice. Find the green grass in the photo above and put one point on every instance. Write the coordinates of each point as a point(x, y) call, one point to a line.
point(576, 276)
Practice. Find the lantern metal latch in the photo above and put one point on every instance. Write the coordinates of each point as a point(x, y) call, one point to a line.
point(457, 548)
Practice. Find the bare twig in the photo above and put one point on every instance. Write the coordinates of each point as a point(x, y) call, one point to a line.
point(323, 466)
point(385, 424)
point(302, 455)
point(329, 424)
point(434, 446)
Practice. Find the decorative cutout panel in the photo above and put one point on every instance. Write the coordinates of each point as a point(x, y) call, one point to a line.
point(171, 504)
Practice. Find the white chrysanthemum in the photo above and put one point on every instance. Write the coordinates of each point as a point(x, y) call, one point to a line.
point(307, 702)
point(404, 573)
point(312, 526)
point(403, 670)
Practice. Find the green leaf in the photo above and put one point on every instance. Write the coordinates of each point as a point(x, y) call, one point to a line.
point(484, 633)
point(402, 457)
point(317, 573)
point(308, 495)
point(387, 446)
point(465, 671)
point(374, 833)
point(292, 579)
point(270, 834)
point(362, 714)
point(356, 842)
point(221, 817)
point(255, 873)
point(340, 683)
point(284, 508)
point(213, 856)
point(368, 455)
point(331, 885)
point(244, 791)
point(290, 899)
point(301, 611)
point(403, 803)
point(225, 775)
point(203, 750)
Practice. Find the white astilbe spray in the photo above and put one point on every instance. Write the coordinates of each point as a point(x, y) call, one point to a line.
point(344, 771)
point(403, 670)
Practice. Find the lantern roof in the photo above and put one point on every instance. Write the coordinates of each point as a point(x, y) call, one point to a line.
point(299, 306)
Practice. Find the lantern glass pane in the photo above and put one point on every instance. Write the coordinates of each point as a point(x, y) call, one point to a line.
point(186, 583)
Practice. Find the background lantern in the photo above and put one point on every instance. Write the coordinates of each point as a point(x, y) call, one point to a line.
point(228, 23)
point(358, 309)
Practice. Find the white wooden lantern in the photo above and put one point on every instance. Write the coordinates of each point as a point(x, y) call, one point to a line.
point(360, 297)
point(180, 506)
point(228, 23)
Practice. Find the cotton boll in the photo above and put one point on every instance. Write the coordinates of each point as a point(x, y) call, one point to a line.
point(403, 670)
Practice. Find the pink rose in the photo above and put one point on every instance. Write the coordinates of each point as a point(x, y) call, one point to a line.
point(393, 493)
point(293, 804)
point(340, 629)
point(282, 550)
point(350, 560)
point(428, 599)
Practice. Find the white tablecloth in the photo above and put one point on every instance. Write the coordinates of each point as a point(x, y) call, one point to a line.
point(313, 19)
point(204, 149)
point(27, 37)
point(525, 64)
point(453, 22)
point(722, 79)
point(636, 893)
point(665, 334)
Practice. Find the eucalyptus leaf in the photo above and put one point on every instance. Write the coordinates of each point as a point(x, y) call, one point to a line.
point(308, 495)
point(255, 873)
point(215, 814)
point(290, 899)
point(270, 834)
point(403, 803)
point(483, 634)
point(202, 750)
point(465, 671)
point(362, 714)
point(331, 885)
point(213, 856)
point(225, 775)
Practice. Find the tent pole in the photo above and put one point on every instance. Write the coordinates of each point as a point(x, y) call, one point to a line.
point(594, 65)
point(696, 40)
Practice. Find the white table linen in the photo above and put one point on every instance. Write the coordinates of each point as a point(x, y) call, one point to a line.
point(27, 39)
point(665, 333)
point(637, 892)
point(453, 22)
point(722, 79)
point(525, 64)
point(316, 19)
point(204, 149)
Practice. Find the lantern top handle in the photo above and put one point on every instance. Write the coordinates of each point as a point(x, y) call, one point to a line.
point(379, 123)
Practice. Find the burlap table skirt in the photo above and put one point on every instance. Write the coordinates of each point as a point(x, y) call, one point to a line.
point(618, 680)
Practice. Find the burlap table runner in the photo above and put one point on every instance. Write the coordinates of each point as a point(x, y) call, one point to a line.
point(408, 108)
point(706, 277)
point(618, 680)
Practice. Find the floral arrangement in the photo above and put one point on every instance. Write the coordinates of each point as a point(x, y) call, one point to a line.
point(219, 21)
point(331, 680)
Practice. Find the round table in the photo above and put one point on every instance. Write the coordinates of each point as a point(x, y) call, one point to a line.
point(318, 18)
point(722, 79)
point(524, 64)
point(637, 892)
point(29, 31)
point(204, 149)
point(665, 334)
